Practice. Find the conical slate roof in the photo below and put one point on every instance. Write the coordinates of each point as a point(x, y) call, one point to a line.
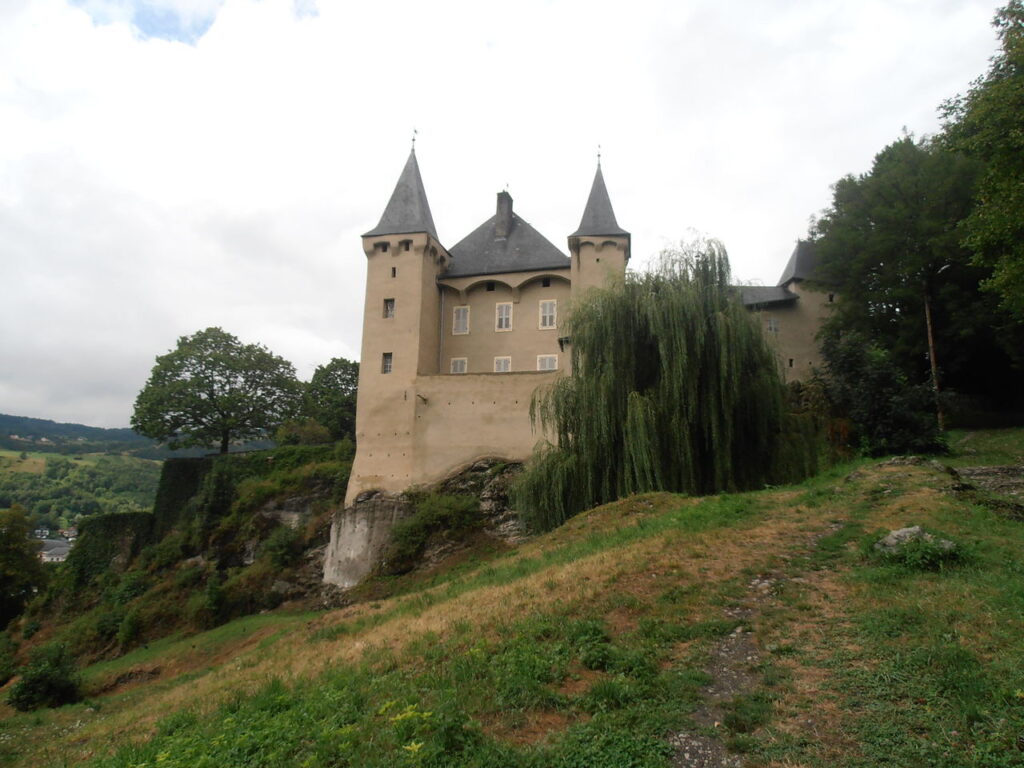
point(802, 264)
point(408, 210)
point(598, 216)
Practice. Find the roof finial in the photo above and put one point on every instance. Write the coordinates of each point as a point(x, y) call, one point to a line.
point(414, 132)
point(598, 155)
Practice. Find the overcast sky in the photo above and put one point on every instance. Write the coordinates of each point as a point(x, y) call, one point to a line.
point(168, 165)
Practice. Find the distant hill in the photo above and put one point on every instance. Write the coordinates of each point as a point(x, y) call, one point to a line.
point(24, 433)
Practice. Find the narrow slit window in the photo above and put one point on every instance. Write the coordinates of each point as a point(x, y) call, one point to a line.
point(502, 364)
point(385, 362)
point(394, 271)
point(389, 307)
point(831, 298)
point(460, 320)
point(458, 365)
point(548, 313)
point(503, 316)
point(547, 362)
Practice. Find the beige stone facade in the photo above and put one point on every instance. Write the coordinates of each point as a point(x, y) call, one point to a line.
point(456, 341)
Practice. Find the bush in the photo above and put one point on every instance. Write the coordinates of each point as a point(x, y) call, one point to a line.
point(49, 680)
point(7, 663)
point(434, 513)
point(131, 627)
point(282, 547)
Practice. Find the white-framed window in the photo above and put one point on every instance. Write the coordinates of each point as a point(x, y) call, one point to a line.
point(502, 364)
point(385, 362)
point(389, 307)
point(548, 313)
point(503, 316)
point(458, 365)
point(547, 362)
point(460, 320)
point(772, 323)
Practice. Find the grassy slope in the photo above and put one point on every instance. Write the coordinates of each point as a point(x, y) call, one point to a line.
point(590, 645)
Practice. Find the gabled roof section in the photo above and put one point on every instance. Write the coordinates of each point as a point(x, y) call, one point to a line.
point(598, 216)
point(408, 210)
point(764, 295)
point(802, 264)
point(485, 252)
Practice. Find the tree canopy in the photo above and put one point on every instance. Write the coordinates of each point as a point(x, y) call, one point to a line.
point(889, 243)
point(988, 123)
point(20, 568)
point(331, 397)
point(212, 389)
point(673, 387)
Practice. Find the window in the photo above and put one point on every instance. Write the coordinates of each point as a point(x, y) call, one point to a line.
point(458, 365)
point(831, 298)
point(503, 316)
point(406, 245)
point(389, 307)
point(502, 364)
point(385, 363)
point(546, 282)
point(791, 362)
point(547, 362)
point(490, 285)
point(547, 313)
point(773, 325)
point(460, 320)
point(394, 271)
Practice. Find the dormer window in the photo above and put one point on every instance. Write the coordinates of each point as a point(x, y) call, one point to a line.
point(406, 245)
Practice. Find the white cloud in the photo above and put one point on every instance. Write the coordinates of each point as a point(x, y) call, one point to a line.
point(217, 166)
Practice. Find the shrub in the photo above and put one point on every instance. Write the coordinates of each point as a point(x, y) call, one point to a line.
point(131, 627)
point(282, 546)
point(49, 680)
point(7, 663)
point(434, 513)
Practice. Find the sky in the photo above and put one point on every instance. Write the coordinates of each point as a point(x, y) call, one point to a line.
point(170, 165)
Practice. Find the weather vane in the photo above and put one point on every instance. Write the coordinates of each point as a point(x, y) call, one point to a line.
point(414, 132)
point(598, 155)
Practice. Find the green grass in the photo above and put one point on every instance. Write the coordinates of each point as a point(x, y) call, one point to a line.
point(863, 661)
point(989, 447)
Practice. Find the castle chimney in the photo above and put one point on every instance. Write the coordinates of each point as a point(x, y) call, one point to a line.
point(503, 222)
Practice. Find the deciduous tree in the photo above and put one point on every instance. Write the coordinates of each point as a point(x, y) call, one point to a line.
point(20, 568)
point(331, 397)
point(212, 389)
point(988, 123)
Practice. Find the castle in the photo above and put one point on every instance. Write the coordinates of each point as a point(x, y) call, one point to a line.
point(456, 341)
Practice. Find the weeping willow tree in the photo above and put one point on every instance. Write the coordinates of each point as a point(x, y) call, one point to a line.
point(673, 387)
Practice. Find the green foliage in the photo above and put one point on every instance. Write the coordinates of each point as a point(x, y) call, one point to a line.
point(105, 542)
point(330, 397)
point(8, 664)
point(49, 680)
point(282, 547)
point(433, 513)
point(921, 554)
point(673, 387)
point(890, 415)
point(305, 432)
point(212, 389)
point(986, 123)
point(890, 246)
point(129, 629)
point(20, 569)
point(66, 490)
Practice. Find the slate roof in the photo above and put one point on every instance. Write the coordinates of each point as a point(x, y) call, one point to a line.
point(525, 249)
point(598, 216)
point(754, 295)
point(408, 210)
point(802, 263)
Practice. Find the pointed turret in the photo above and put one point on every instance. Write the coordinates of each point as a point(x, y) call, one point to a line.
point(598, 216)
point(408, 210)
point(600, 247)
